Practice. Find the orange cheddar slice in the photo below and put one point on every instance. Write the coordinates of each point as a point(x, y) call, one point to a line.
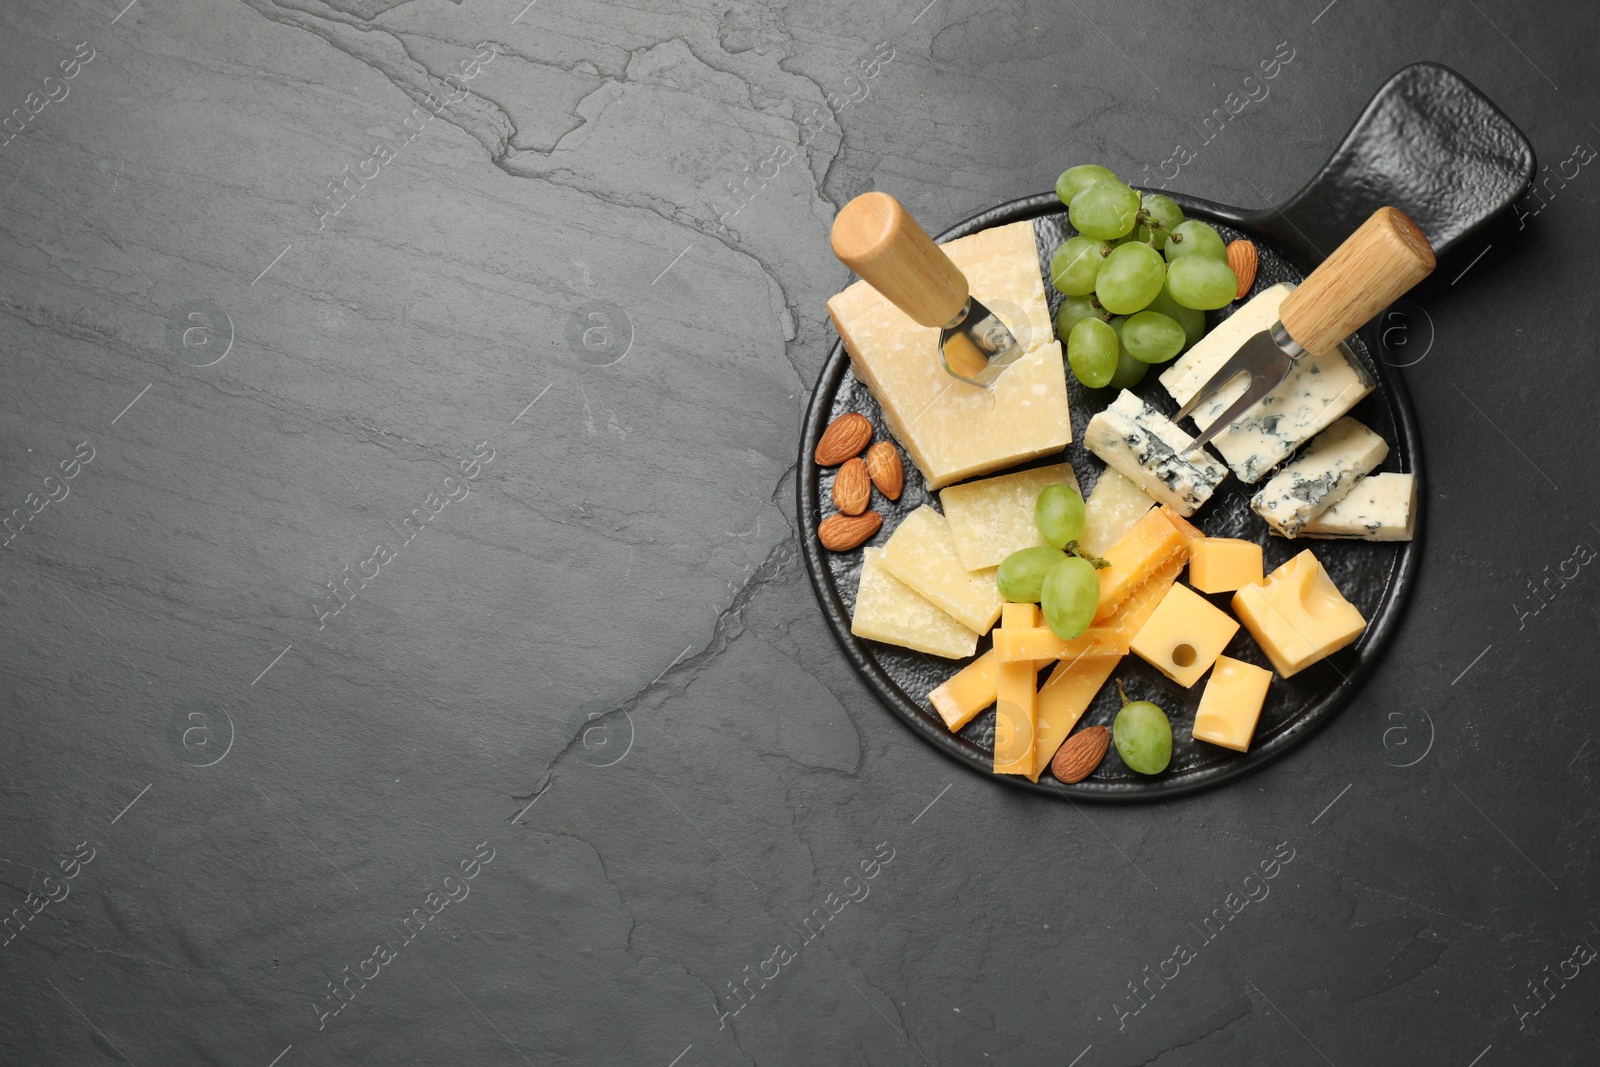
point(972, 689)
point(1153, 542)
point(1015, 699)
point(1039, 643)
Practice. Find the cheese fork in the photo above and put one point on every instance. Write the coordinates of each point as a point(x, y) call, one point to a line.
point(1376, 265)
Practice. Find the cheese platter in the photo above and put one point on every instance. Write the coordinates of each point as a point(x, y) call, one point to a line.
point(1206, 608)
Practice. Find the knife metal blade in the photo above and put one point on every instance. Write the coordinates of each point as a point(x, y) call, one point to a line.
point(977, 346)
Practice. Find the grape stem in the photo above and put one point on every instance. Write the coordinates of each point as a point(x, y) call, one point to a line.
point(1121, 693)
point(1096, 562)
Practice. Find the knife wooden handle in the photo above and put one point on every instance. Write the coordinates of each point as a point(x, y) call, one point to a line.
point(1374, 267)
point(874, 236)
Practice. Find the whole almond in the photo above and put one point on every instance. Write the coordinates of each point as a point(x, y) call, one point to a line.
point(852, 488)
point(841, 533)
point(844, 439)
point(1243, 259)
point(1082, 753)
point(885, 469)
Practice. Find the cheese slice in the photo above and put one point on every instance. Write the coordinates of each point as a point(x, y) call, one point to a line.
point(1320, 477)
point(922, 554)
point(1146, 447)
point(1111, 510)
point(1151, 545)
point(993, 517)
point(967, 692)
point(1317, 391)
point(889, 611)
point(950, 429)
point(1016, 700)
point(1039, 643)
point(1379, 507)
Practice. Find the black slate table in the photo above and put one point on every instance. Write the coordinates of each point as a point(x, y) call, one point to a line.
point(407, 658)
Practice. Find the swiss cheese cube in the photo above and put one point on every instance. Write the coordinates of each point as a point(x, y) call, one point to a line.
point(993, 517)
point(1231, 704)
point(1223, 564)
point(950, 429)
point(922, 554)
point(1111, 510)
point(889, 611)
point(1184, 636)
point(1297, 615)
point(1016, 700)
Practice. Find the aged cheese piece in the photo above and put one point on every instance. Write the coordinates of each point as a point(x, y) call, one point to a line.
point(1016, 701)
point(1297, 615)
point(993, 517)
point(1038, 643)
point(968, 692)
point(1379, 507)
point(1231, 704)
point(1111, 510)
point(1223, 564)
point(1184, 636)
point(922, 554)
point(1072, 685)
point(1320, 477)
point(1317, 391)
point(888, 611)
point(950, 429)
point(1145, 446)
point(1152, 542)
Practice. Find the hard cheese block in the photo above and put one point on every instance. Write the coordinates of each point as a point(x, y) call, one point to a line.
point(889, 611)
point(993, 517)
point(1320, 477)
point(1231, 704)
point(1016, 701)
point(922, 554)
point(953, 430)
point(1145, 446)
point(1184, 636)
point(1379, 507)
point(1297, 615)
point(1111, 510)
point(1223, 564)
point(1317, 391)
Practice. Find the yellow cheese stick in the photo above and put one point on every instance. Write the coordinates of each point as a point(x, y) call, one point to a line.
point(972, 689)
point(1152, 542)
point(1039, 643)
point(1015, 699)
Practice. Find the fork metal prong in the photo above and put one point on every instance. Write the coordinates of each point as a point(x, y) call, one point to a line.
point(1261, 383)
point(1242, 362)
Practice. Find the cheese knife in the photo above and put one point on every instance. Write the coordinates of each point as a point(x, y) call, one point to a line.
point(1375, 266)
point(877, 238)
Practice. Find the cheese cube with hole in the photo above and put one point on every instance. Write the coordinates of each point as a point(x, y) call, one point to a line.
point(1149, 545)
point(950, 429)
point(1231, 704)
point(1146, 447)
point(1317, 391)
point(922, 554)
point(959, 699)
point(1379, 507)
point(993, 517)
point(1111, 510)
point(1184, 636)
point(1320, 477)
point(1016, 700)
point(888, 610)
point(1223, 564)
point(1297, 615)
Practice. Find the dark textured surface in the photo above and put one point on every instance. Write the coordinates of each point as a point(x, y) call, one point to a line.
point(629, 554)
point(1376, 578)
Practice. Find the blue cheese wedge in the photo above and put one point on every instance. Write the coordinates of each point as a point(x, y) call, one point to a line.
point(1318, 390)
point(1379, 507)
point(1145, 447)
point(890, 611)
point(1322, 475)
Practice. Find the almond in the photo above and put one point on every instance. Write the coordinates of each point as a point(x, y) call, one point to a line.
point(844, 439)
point(1082, 753)
point(841, 533)
point(1243, 259)
point(852, 488)
point(885, 469)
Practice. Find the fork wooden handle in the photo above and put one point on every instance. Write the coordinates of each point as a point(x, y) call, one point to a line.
point(874, 236)
point(1374, 267)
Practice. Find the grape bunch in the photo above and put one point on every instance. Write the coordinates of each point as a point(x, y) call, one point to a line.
point(1138, 278)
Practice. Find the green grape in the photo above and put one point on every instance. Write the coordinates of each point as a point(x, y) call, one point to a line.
point(1192, 321)
point(1130, 371)
point(1130, 278)
point(1075, 180)
point(1167, 214)
point(1107, 210)
point(1059, 514)
point(1073, 310)
point(1195, 238)
point(1070, 595)
point(1092, 349)
point(1201, 282)
point(1143, 736)
point(1152, 337)
point(1075, 265)
point(1022, 573)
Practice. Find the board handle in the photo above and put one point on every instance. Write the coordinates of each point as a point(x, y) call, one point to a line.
point(877, 238)
point(1374, 267)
